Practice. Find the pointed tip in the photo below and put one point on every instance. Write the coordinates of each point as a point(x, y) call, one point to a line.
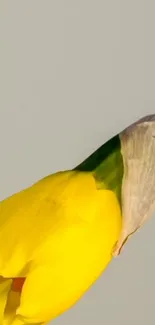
point(120, 244)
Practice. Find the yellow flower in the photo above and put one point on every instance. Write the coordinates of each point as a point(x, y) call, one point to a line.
point(56, 238)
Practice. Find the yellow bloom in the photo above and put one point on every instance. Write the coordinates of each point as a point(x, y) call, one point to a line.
point(56, 238)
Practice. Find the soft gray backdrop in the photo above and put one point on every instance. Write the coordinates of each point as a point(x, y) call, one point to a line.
point(73, 73)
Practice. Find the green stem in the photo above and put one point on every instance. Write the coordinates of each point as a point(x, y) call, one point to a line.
point(106, 163)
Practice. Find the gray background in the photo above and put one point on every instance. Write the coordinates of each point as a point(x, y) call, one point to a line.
point(74, 73)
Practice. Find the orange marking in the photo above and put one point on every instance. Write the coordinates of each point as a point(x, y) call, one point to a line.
point(18, 284)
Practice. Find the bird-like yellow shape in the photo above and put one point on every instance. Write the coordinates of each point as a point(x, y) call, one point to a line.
point(56, 238)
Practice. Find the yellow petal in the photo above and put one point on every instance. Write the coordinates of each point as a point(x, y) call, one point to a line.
point(30, 216)
point(61, 233)
point(79, 254)
point(25, 222)
point(13, 302)
point(5, 286)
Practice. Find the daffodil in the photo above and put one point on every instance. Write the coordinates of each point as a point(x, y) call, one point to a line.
point(58, 235)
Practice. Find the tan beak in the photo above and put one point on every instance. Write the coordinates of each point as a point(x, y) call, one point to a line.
point(138, 187)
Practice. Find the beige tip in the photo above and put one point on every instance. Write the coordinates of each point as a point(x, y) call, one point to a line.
point(138, 187)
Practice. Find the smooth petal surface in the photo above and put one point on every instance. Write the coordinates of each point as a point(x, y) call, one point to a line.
point(61, 234)
point(79, 255)
point(13, 302)
point(26, 220)
point(5, 286)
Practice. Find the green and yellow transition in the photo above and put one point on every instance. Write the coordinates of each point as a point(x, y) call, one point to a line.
point(58, 236)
